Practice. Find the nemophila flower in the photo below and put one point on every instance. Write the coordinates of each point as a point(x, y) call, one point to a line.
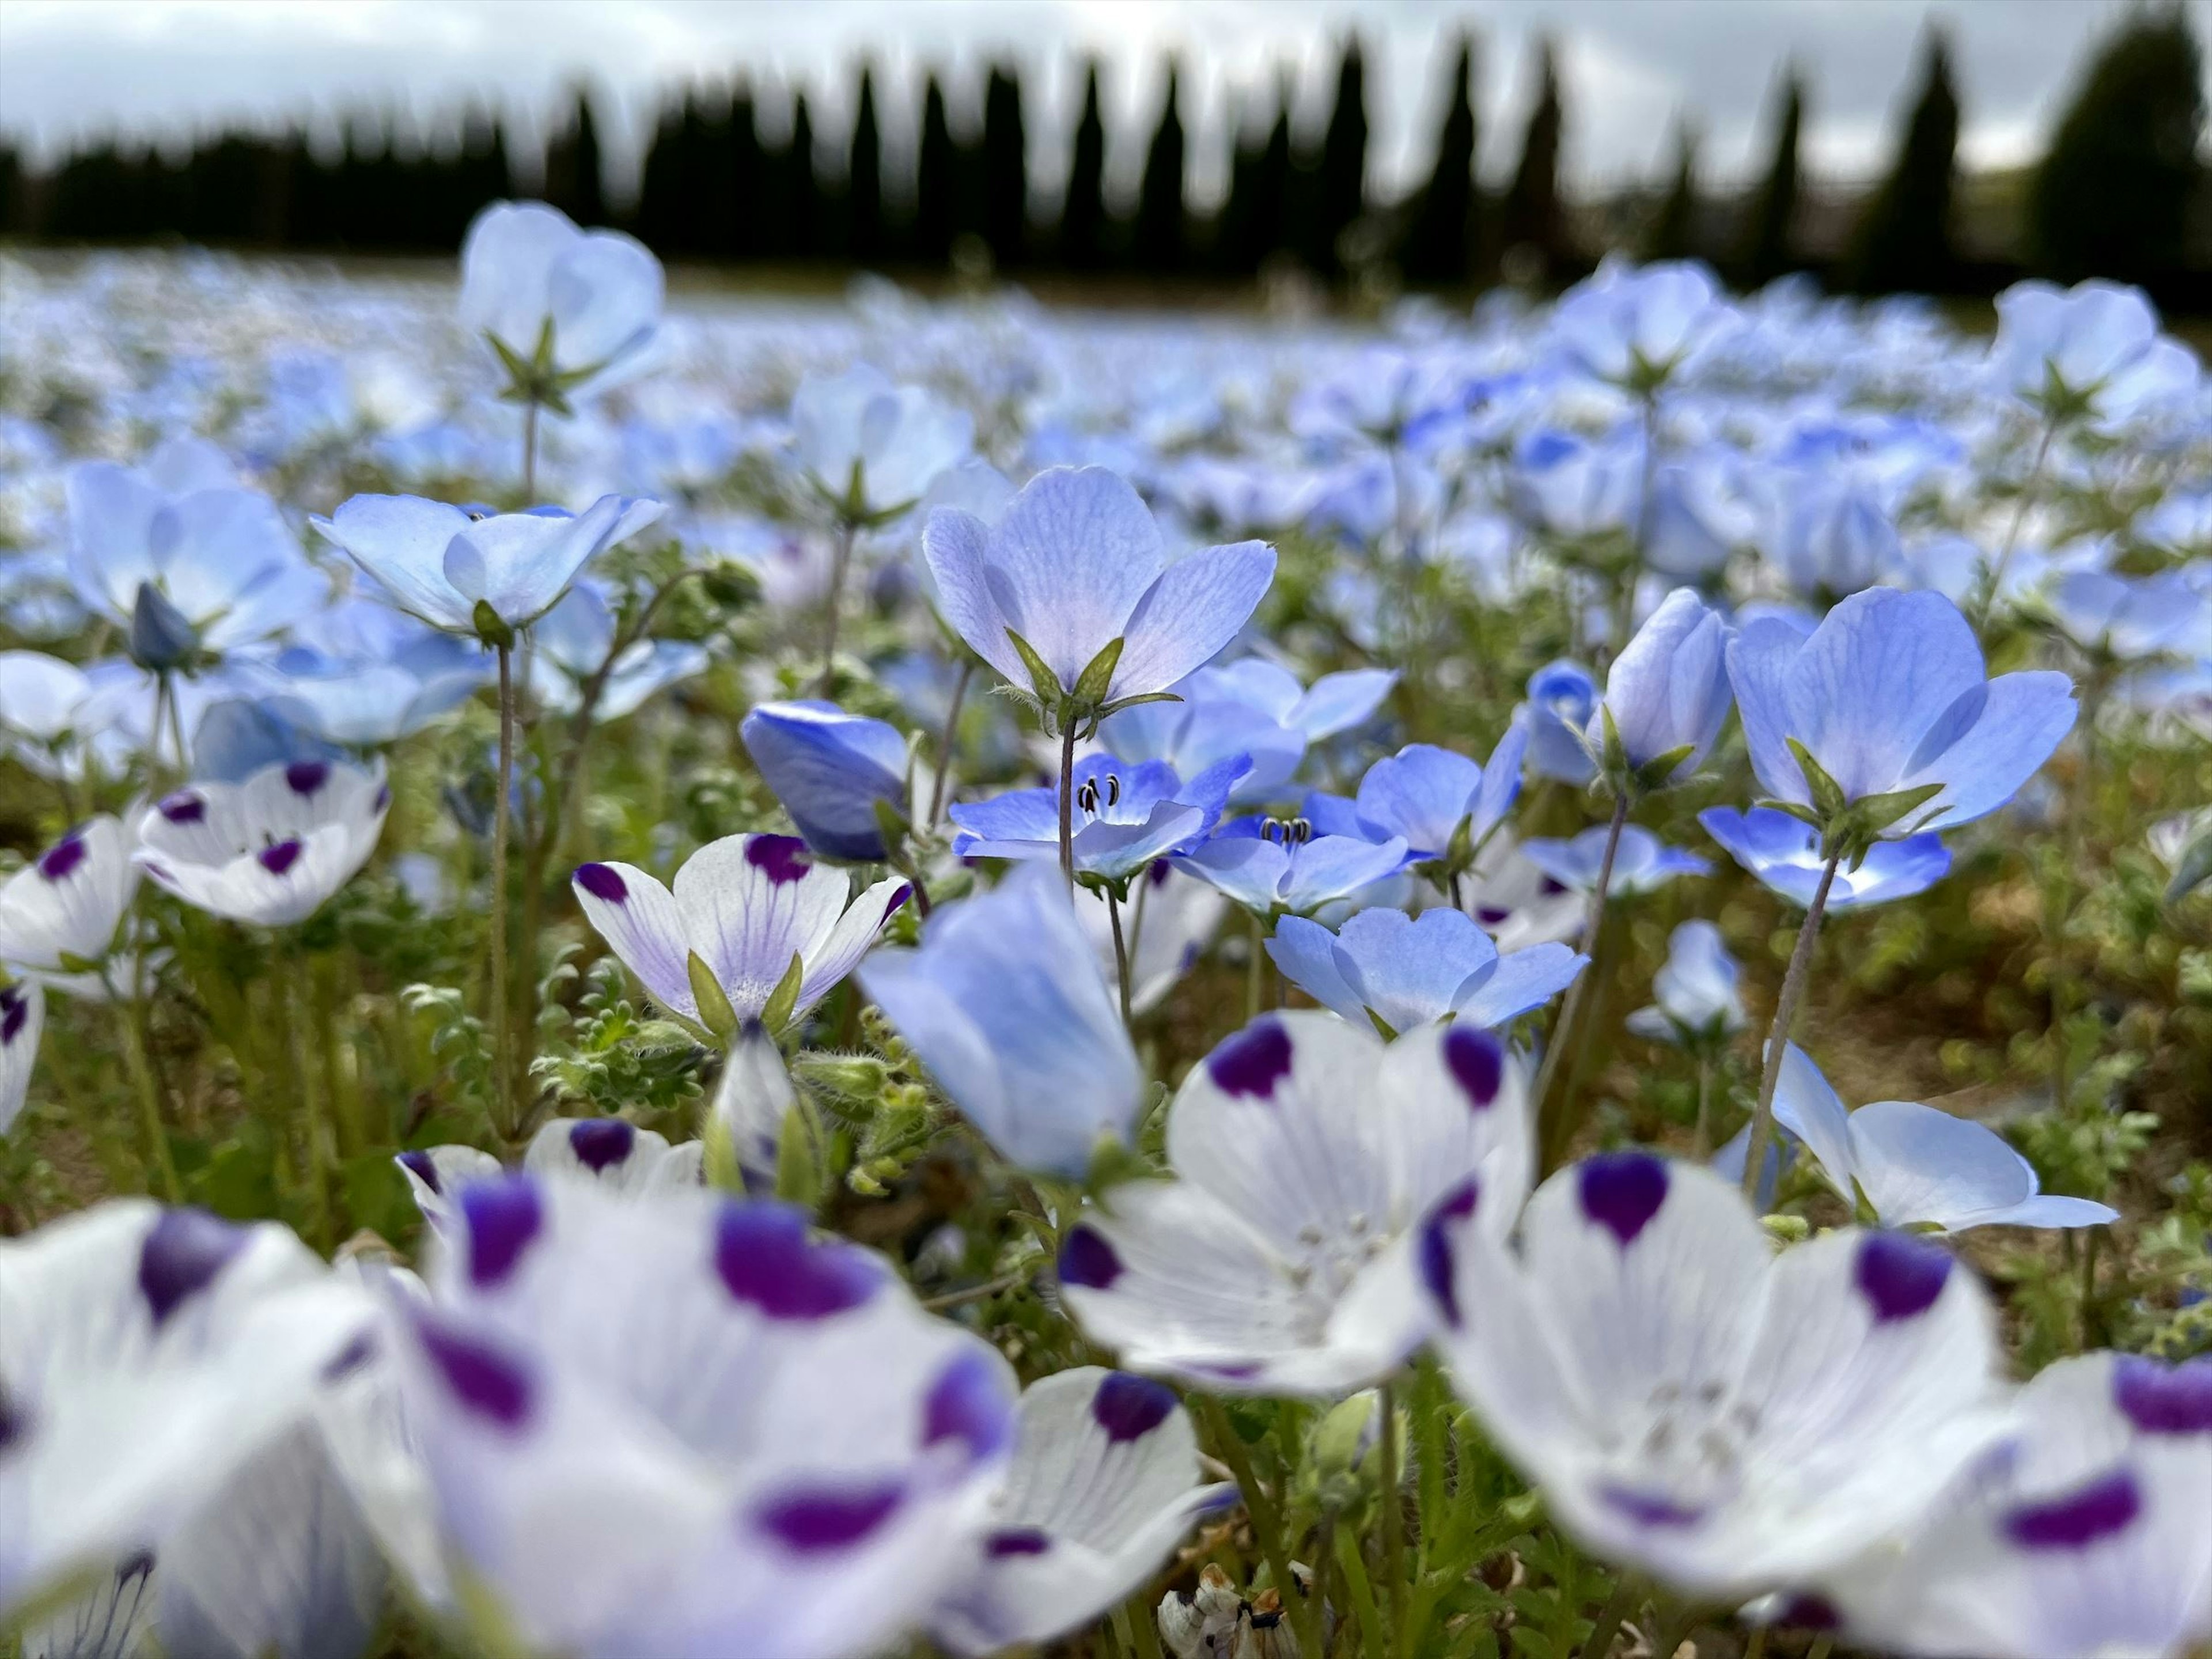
point(2093, 351)
point(1696, 1001)
point(1915, 1166)
point(2086, 1531)
point(687, 1427)
point(22, 1017)
point(2125, 618)
point(1170, 919)
point(1103, 1485)
point(60, 914)
point(150, 1354)
point(1692, 525)
point(573, 645)
point(832, 771)
point(1005, 1002)
point(1443, 805)
point(1401, 971)
point(1729, 1421)
point(1271, 865)
point(362, 673)
point(1125, 817)
point(1666, 694)
point(567, 310)
point(1889, 700)
point(1827, 533)
point(270, 849)
point(1641, 863)
point(1077, 564)
point(183, 557)
point(1284, 1258)
point(1785, 852)
point(2180, 521)
point(871, 448)
point(622, 1158)
point(236, 738)
point(49, 713)
point(473, 572)
point(1254, 707)
point(744, 1130)
point(1635, 326)
point(754, 928)
point(1516, 903)
point(1579, 489)
point(1563, 699)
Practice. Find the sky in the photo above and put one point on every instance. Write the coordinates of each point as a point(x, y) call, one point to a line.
point(1630, 68)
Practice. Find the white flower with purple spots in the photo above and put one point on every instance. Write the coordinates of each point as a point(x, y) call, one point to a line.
point(146, 1357)
point(687, 1427)
point(622, 1158)
point(745, 910)
point(2086, 1531)
point(1692, 1405)
point(58, 914)
point(22, 1017)
point(1104, 1485)
point(1283, 1258)
point(271, 849)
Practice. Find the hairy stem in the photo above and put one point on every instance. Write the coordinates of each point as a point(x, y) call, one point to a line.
point(1120, 955)
point(945, 743)
point(841, 558)
point(1626, 1594)
point(1563, 1029)
point(502, 1042)
point(1778, 1038)
point(1067, 805)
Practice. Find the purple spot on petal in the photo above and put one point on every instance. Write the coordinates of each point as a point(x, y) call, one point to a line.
point(967, 1402)
point(1087, 1260)
point(1228, 1371)
point(599, 1143)
point(15, 1013)
point(602, 882)
point(503, 1216)
point(1477, 1060)
point(183, 1252)
point(810, 1521)
point(2103, 1507)
point(352, 1357)
point(766, 1260)
point(1015, 1540)
point(1492, 915)
point(424, 1167)
point(1622, 1191)
point(2165, 1399)
point(1809, 1612)
point(1253, 1061)
point(1438, 1272)
point(1649, 1509)
point(307, 776)
point(63, 857)
point(183, 807)
point(899, 898)
point(14, 1423)
point(1901, 1276)
point(280, 858)
point(483, 1380)
point(1130, 1408)
point(1156, 873)
point(783, 857)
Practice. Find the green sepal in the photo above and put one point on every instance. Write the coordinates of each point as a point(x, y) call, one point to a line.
point(1045, 684)
point(491, 627)
point(1658, 772)
point(1097, 676)
point(798, 1170)
point(1827, 794)
point(1120, 703)
point(891, 825)
point(1114, 1164)
point(720, 1159)
point(714, 1011)
point(783, 1001)
point(1798, 810)
point(1382, 1027)
point(70, 964)
point(1875, 813)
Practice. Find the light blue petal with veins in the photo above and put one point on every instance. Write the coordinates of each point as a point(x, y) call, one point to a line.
point(1305, 952)
point(1197, 606)
point(1521, 980)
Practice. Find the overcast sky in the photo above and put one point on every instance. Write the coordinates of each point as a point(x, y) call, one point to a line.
point(72, 67)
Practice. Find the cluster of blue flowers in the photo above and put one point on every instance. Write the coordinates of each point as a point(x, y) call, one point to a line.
point(1048, 646)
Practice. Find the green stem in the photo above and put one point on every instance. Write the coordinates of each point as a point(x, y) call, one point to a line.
point(841, 558)
point(1067, 803)
point(1254, 972)
point(501, 1042)
point(1267, 1524)
point(1120, 956)
point(313, 1127)
point(2091, 1324)
point(1392, 1493)
point(2028, 494)
point(1627, 1593)
point(1563, 1029)
point(947, 741)
point(135, 1046)
point(530, 453)
point(1701, 1137)
point(1375, 1635)
point(1778, 1038)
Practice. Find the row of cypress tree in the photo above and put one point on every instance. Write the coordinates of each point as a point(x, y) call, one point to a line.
point(2115, 193)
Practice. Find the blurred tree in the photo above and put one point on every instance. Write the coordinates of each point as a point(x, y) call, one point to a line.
point(1438, 244)
point(1083, 209)
point(2113, 195)
point(1674, 234)
point(663, 190)
point(1903, 242)
point(574, 181)
point(732, 179)
point(1232, 250)
point(1770, 247)
point(1340, 186)
point(1005, 172)
point(484, 177)
point(1532, 229)
point(936, 179)
point(14, 200)
point(1158, 241)
point(790, 223)
point(864, 178)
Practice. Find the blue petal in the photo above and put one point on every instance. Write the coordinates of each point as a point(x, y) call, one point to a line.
point(1305, 952)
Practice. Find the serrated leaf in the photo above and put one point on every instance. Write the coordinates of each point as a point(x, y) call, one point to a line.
point(1827, 794)
point(714, 1011)
point(1044, 683)
point(1097, 676)
point(783, 1001)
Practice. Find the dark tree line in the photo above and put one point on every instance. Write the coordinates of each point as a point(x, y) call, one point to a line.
point(2115, 194)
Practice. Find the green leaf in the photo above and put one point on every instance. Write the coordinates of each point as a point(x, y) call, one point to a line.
point(1049, 692)
point(714, 1011)
point(1612, 754)
point(1098, 674)
point(783, 1001)
point(1827, 794)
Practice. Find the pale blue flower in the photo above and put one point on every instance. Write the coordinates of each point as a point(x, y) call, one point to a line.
point(1428, 796)
point(1123, 816)
point(362, 673)
point(1401, 971)
point(1785, 852)
point(528, 273)
point(1635, 326)
point(831, 769)
point(870, 446)
point(1576, 488)
point(1828, 532)
point(2126, 617)
point(2092, 349)
point(1696, 990)
point(1668, 691)
point(1273, 864)
point(1253, 708)
point(1562, 699)
point(1641, 862)
point(574, 643)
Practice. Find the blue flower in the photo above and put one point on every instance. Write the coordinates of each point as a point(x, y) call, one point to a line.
point(1641, 863)
point(1784, 853)
point(1696, 990)
point(1402, 971)
point(1077, 563)
point(1253, 708)
point(1272, 864)
point(1634, 327)
point(1888, 695)
point(1562, 698)
point(1004, 1003)
point(2094, 349)
point(829, 769)
point(528, 274)
point(2127, 617)
point(479, 572)
point(1431, 797)
point(1668, 692)
point(574, 641)
point(1828, 533)
point(1578, 488)
point(362, 673)
point(1125, 816)
point(871, 447)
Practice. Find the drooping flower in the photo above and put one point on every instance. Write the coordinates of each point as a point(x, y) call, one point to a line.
point(1667, 694)
point(60, 914)
point(746, 911)
point(871, 447)
point(1562, 701)
point(1076, 564)
point(486, 575)
point(1104, 1485)
point(1641, 862)
point(576, 307)
point(1399, 971)
point(831, 769)
point(1284, 1257)
point(1915, 1166)
point(1889, 697)
point(1125, 816)
point(1729, 1421)
point(1784, 853)
point(687, 1427)
point(2086, 1532)
point(1437, 800)
point(270, 849)
point(1696, 991)
point(1004, 1003)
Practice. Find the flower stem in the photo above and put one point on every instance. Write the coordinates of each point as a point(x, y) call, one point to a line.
point(1778, 1038)
point(2028, 491)
point(840, 557)
point(1255, 973)
point(1627, 1593)
point(529, 452)
point(1701, 1139)
point(1267, 1524)
point(159, 1163)
point(1392, 1494)
point(1067, 803)
point(1120, 954)
point(945, 744)
point(1563, 1029)
point(502, 1056)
